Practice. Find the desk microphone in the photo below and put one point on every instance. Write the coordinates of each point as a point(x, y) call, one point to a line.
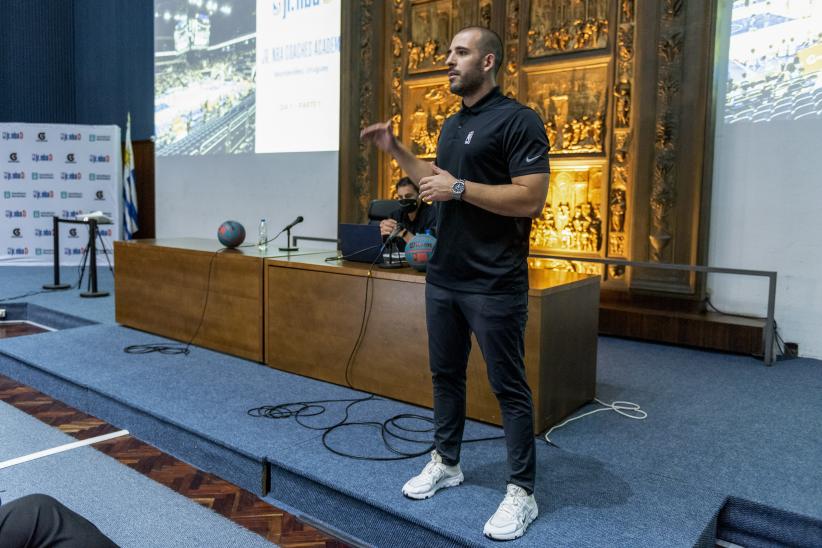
point(389, 242)
point(287, 229)
point(297, 221)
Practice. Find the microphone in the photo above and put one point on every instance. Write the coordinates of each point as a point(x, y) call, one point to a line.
point(391, 244)
point(288, 228)
point(297, 221)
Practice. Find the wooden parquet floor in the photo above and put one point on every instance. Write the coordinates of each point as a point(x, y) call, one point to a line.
point(18, 329)
point(228, 500)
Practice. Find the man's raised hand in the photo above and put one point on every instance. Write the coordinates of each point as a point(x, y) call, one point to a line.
point(381, 135)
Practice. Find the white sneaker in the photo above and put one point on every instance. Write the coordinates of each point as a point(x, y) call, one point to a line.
point(516, 512)
point(435, 476)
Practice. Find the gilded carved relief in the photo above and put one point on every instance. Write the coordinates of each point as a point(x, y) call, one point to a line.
point(669, 79)
point(471, 12)
point(511, 74)
point(621, 183)
point(363, 166)
point(560, 61)
point(572, 217)
point(427, 106)
point(572, 105)
point(485, 14)
point(395, 103)
point(569, 265)
point(430, 36)
point(560, 26)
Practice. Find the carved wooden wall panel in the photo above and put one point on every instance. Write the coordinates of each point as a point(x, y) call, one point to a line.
point(429, 103)
point(615, 84)
point(430, 35)
point(510, 36)
point(572, 218)
point(563, 26)
point(571, 103)
point(359, 106)
point(621, 157)
point(396, 19)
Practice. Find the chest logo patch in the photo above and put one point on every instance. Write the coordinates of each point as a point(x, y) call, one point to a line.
point(468, 138)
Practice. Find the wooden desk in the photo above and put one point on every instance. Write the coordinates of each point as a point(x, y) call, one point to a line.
point(160, 287)
point(314, 311)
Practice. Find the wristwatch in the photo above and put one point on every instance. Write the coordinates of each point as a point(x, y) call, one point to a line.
point(457, 189)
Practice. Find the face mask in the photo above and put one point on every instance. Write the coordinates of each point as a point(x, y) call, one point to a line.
point(408, 204)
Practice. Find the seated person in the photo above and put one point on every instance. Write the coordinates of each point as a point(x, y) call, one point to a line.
point(415, 216)
point(40, 520)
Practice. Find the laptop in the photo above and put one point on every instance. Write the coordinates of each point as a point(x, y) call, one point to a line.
point(361, 243)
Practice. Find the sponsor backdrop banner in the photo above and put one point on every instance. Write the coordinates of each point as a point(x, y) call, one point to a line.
point(51, 170)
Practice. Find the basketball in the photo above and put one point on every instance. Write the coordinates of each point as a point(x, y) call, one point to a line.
point(231, 234)
point(419, 250)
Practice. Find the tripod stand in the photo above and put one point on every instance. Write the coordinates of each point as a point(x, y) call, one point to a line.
point(91, 250)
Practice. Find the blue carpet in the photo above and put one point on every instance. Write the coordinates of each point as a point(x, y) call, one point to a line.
point(129, 508)
point(17, 280)
point(584, 501)
point(724, 421)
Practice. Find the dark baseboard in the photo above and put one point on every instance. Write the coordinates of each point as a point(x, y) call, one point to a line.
point(679, 321)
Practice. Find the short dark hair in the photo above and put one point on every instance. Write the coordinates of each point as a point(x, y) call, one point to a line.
point(406, 181)
point(489, 42)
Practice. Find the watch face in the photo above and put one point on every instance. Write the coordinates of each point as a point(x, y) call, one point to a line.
point(458, 187)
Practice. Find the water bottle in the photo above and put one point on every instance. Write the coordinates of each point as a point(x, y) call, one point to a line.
point(262, 240)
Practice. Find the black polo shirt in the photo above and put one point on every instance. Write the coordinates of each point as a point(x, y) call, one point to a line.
point(426, 219)
point(488, 143)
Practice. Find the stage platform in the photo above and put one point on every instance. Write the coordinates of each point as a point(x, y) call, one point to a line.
point(195, 408)
point(730, 446)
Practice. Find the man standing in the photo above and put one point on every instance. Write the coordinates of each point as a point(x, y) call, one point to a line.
point(489, 180)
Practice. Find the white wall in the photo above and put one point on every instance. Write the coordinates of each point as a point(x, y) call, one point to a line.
point(194, 195)
point(766, 199)
point(766, 214)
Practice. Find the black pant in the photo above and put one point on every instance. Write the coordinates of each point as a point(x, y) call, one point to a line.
point(498, 321)
point(39, 520)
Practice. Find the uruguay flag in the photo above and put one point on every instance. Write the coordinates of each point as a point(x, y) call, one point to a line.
point(129, 189)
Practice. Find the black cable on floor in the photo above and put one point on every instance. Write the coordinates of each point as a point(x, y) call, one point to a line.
point(390, 429)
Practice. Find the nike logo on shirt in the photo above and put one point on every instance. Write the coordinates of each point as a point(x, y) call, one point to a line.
point(531, 159)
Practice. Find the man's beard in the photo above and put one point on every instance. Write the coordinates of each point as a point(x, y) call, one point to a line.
point(468, 82)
